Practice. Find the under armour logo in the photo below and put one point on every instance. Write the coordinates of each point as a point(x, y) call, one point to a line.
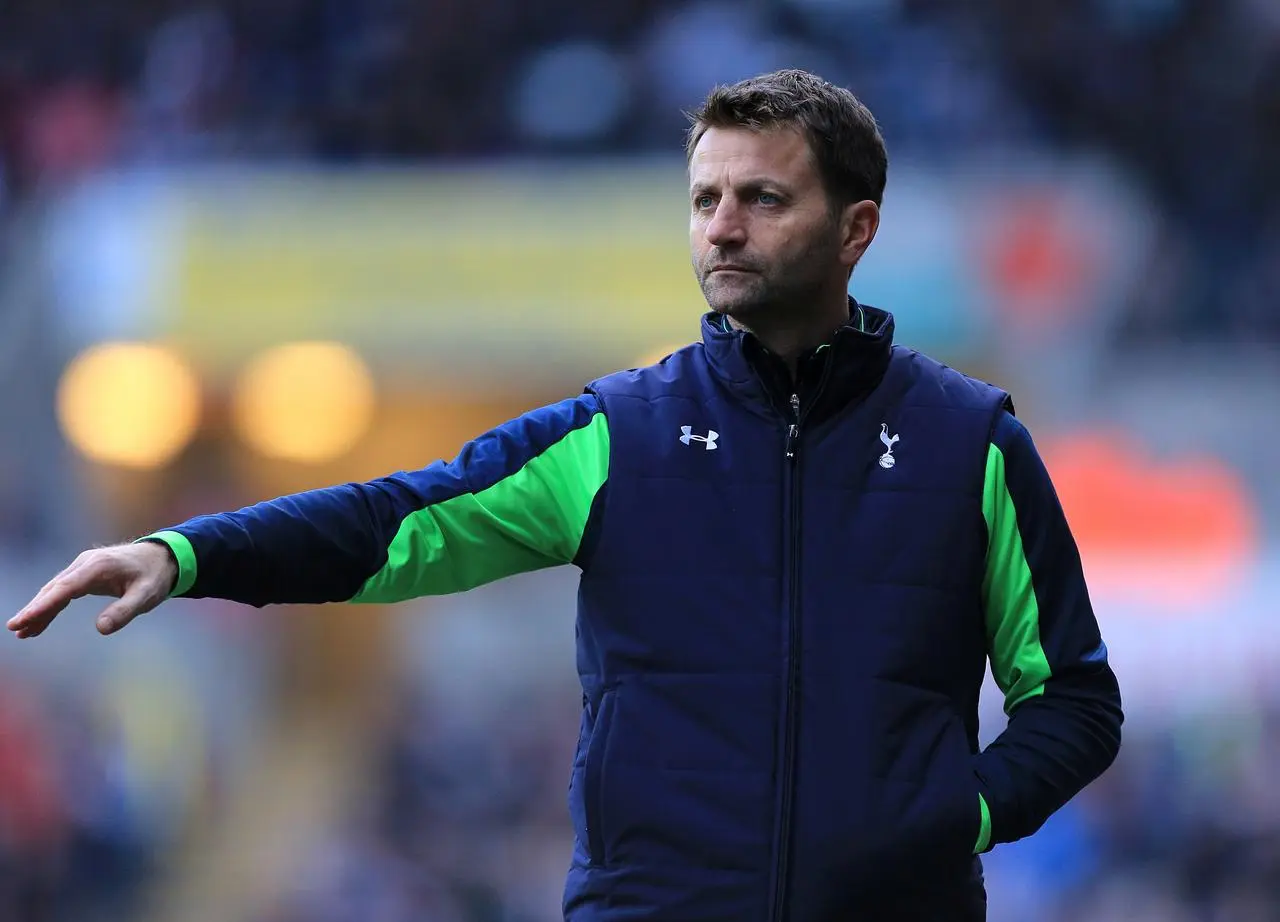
point(887, 460)
point(708, 440)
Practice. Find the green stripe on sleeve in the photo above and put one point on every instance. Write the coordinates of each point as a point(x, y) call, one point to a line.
point(984, 831)
point(184, 553)
point(530, 520)
point(1018, 661)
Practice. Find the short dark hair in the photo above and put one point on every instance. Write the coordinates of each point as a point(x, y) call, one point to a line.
point(841, 131)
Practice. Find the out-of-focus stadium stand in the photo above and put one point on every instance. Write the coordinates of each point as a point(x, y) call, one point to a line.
point(252, 247)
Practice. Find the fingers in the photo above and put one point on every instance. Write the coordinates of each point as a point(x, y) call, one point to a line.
point(137, 601)
point(138, 575)
point(72, 583)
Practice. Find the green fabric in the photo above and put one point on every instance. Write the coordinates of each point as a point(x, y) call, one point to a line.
point(184, 553)
point(984, 831)
point(530, 520)
point(1018, 661)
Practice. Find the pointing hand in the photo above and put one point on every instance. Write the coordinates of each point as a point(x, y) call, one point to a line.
point(140, 576)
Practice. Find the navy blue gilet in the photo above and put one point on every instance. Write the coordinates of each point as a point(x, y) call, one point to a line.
point(780, 639)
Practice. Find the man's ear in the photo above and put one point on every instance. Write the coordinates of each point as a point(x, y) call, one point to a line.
point(859, 222)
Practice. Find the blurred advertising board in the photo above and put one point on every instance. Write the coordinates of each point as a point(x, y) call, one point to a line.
point(572, 269)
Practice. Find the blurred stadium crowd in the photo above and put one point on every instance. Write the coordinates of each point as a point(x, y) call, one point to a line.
point(72, 846)
point(465, 821)
point(1184, 93)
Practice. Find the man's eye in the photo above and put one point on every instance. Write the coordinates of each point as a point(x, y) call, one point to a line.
point(768, 198)
point(703, 201)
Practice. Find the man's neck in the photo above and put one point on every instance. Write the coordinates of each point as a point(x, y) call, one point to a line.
point(794, 338)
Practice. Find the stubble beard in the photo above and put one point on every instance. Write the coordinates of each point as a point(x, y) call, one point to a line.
point(739, 297)
point(769, 295)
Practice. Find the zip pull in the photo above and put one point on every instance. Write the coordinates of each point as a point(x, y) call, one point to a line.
point(793, 431)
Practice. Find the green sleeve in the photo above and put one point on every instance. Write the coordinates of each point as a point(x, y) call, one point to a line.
point(532, 516)
point(1018, 662)
point(516, 498)
point(1045, 649)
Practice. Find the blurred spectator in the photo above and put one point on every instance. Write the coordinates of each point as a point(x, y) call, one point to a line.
point(69, 847)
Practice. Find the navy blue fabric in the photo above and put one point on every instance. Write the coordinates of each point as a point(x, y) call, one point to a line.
point(323, 545)
point(1023, 779)
point(781, 658)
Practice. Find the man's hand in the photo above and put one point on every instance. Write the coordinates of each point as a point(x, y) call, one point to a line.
point(139, 575)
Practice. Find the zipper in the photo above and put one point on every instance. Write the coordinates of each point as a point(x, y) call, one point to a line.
point(792, 476)
point(793, 430)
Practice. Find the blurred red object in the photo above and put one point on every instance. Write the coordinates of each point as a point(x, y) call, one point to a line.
point(32, 819)
point(70, 129)
point(1177, 533)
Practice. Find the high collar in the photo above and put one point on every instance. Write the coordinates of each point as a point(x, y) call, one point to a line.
point(827, 378)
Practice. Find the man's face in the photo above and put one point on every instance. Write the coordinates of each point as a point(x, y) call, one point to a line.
point(761, 231)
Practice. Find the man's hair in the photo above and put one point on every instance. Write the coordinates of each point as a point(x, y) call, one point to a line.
point(841, 132)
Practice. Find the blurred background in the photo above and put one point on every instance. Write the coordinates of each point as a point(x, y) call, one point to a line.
point(255, 247)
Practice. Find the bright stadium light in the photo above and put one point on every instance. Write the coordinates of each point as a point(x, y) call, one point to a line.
point(305, 402)
point(134, 405)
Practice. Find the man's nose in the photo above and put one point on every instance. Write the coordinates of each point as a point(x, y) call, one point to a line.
point(726, 227)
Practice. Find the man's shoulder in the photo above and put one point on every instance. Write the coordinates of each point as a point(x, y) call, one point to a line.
point(669, 375)
point(938, 384)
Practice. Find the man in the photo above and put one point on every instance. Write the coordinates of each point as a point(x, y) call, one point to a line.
point(799, 546)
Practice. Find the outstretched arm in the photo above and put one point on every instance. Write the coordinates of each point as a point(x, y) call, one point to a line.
point(1046, 652)
point(517, 498)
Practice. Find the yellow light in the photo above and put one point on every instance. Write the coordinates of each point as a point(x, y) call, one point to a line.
point(131, 404)
point(308, 401)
